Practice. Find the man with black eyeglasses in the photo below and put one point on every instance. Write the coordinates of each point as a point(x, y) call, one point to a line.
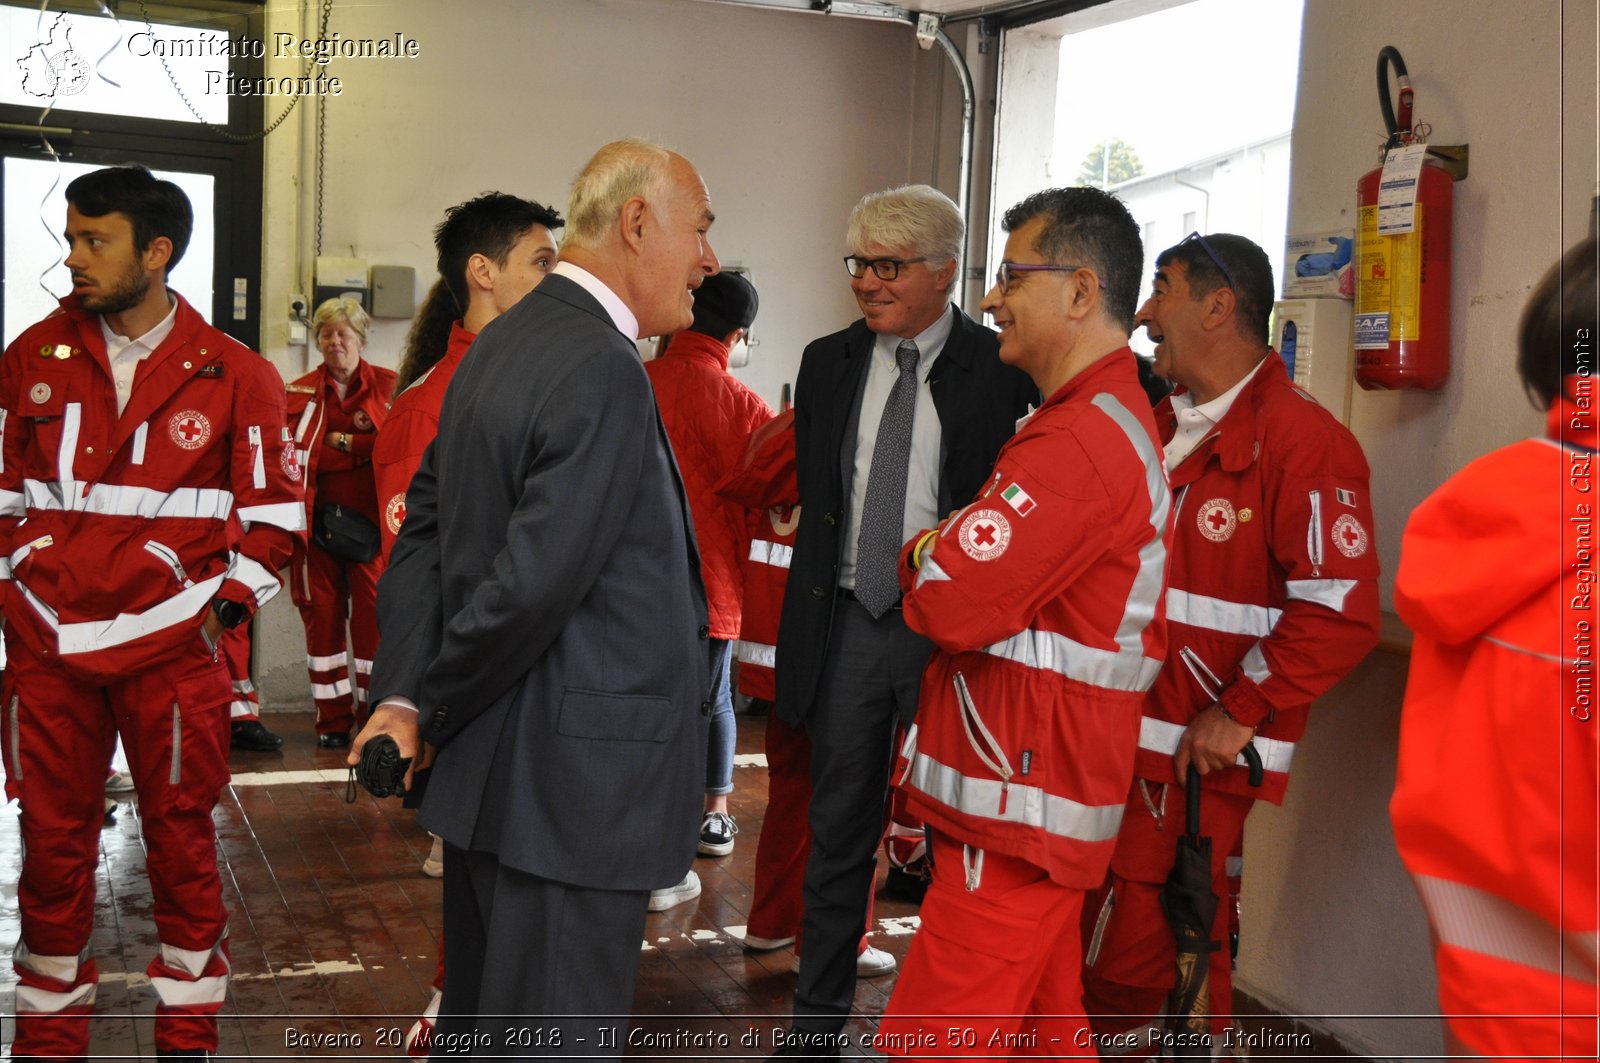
point(1271, 599)
point(898, 419)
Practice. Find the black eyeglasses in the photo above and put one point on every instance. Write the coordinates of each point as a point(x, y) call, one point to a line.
point(1216, 259)
point(1008, 271)
point(887, 269)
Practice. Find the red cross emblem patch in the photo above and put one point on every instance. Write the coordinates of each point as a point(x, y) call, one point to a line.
point(984, 534)
point(290, 460)
point(1217, 520)
point(394, 514)
point(1349, 536)
point(190, 429)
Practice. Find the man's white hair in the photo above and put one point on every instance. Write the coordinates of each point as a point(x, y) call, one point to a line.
point(919, 219)
point(617, 172)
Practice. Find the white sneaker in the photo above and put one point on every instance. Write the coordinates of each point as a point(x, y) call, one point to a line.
point(433, 866)
point(672, 896)
point(761, 944)
point(119, 783)
point(872, 963)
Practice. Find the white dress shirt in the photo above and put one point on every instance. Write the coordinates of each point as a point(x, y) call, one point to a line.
point(1196, 422)
point(126, 354)
point(621, 316)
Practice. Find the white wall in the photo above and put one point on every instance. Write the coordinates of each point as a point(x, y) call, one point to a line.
point(1331, 924)
point(791, 117)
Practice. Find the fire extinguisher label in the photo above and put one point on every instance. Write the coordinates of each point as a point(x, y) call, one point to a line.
point(1372, 332)
point(1388, 283)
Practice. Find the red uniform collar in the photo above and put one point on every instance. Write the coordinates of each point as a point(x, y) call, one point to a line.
point(1234, 438)
point(1092, 379)
point(699, 347)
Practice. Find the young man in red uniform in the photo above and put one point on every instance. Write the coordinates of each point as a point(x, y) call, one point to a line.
point(1272, 598)
point(492, 251)
point(1043, 597)
point(148, 496)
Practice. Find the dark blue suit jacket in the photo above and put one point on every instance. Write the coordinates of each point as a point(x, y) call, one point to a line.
point(543, 607)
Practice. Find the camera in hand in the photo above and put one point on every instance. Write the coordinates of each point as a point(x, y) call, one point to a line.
point(382, 769)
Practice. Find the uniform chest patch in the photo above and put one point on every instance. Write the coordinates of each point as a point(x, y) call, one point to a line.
point(1349, 537)
point(394, 514)
point(984, 534)
point(290, 460)
point(40, 393)
point(190, 429)
point(1216, 520)
point(784, 519)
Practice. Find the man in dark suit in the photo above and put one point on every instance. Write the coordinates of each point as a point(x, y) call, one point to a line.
point(544, 627)
point(898, 419)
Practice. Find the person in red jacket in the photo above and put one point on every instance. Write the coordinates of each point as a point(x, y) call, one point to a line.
point(148, 496)
point(1272, 598)
point(1496, 800)
point(708, 415)
point(1043, 597)
point(334, 413)
point(492, 250)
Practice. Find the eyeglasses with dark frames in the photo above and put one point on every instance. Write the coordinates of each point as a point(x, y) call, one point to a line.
point(886, 269)
point(1008, 270)
point(1216, 259)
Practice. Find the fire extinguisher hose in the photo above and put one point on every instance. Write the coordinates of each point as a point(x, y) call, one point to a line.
point(1399, 131)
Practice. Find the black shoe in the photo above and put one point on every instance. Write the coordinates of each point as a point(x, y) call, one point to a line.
point(251, 735)
point(908, 883)
point(334, 740)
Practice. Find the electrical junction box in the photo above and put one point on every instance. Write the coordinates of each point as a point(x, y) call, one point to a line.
point(394, 291)
point(1313, 337)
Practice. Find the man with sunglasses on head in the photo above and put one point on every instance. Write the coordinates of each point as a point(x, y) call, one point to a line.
point(1272, 598)
point(898, 419)
point(1043, 597)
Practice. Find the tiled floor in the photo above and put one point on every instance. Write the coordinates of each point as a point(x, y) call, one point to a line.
point(333, 926)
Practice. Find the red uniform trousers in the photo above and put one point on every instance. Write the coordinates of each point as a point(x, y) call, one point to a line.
point(776, 909)
point(994, 971)
point(1131, 959)
point(59, 736)
point(235, 647)
point(340, 591)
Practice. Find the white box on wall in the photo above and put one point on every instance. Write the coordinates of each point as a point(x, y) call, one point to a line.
point(1313, 337)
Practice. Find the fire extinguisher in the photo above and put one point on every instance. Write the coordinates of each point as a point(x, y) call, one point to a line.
point(1402, 308)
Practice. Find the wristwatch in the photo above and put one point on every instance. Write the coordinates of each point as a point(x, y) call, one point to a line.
point(228, 613)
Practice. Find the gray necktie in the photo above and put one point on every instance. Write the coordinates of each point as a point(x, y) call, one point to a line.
point(883, 510)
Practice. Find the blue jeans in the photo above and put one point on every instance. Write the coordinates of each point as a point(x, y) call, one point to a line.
point(719, 754)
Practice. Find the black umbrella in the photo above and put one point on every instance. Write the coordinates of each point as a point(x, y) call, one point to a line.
point(1190, 906)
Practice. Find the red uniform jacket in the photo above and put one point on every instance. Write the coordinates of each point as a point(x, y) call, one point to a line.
point(314, 409)
point(1497, 795)
point(1044, 599)
point(708, 416)
point(1273, 590)
point(411, 424)
point(114, 530)
point(764, 483)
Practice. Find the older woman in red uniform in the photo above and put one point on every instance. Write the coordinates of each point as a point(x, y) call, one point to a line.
point(334, 412)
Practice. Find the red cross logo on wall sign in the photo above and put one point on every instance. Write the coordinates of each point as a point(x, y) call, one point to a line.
point(1216, 520)
point(984, 534)
point(190, 429)
point(1349, 536)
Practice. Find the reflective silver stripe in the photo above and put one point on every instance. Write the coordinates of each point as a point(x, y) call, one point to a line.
point(113, 500)
point(68, 451)
point(1027, 805)
point(363, 667)
point(201, 988)
point(758, 653)
point(305, 421)
point(31, 1000)
point(240, 707)
point(1328, 592)
point(175, 772)
point(1162, 736)
point(1139, 611)
point(16, 740)
point(140, 434)
point(1218, 614)
point(323, 664)
point(88, 636)
point(290, 516)
point(243, 686)
point(1568, 662)
point(261, 580)
point(1254, 665)
point(1478, 921)
point(1053, 652)
point(1233, 867)
point(11, 504)
point(3, 412)
point(258, 461)
point(763, 552)
point(1314, 529)
point(58, 968)
point(930, 570)
point(341, 689)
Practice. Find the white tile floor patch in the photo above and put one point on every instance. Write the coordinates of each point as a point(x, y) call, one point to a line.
point(900, 926)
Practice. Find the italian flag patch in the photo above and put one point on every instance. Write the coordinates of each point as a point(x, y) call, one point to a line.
point(1018, 499)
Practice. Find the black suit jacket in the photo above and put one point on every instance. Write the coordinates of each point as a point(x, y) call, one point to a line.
point(543, 607)
point(979, 400)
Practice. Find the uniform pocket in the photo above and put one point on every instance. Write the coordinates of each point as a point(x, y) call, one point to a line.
point(197, 741)
point(615, 717)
